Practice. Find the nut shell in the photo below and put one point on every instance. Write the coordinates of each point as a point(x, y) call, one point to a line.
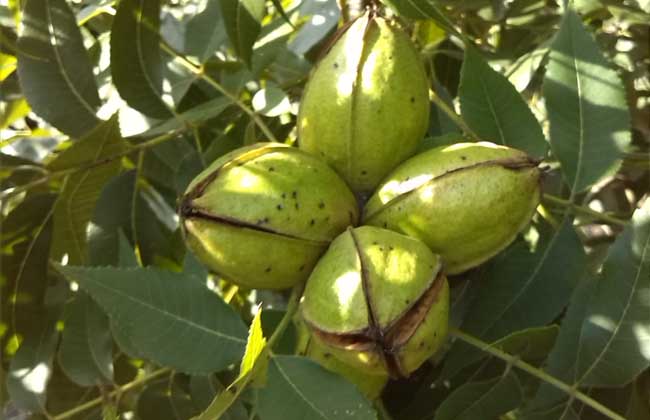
point(377, 301)
point(467, 201)
point(366, 106)
point(262, 215)
point(369, 384)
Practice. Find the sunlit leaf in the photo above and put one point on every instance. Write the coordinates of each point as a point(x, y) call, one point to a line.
point(8, 65)
point(615, 336)
point(324, 15)
point(31, 366)
point(255, 344)
point(421, 9)
point(521, 72)
point(494, 110)
point(12, 111)
point(54, 69)
point(243, 19)
point(252, 371)
point(205, 32)
point(585, 99)
point(136, 63)
point(271, 102)
point(194, 116)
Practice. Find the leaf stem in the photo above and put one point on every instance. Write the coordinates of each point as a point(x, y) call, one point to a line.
point(585, 210)
point(444, 107)
point(292, 307)
point(572, 391)
point(98, 401)
point(197, 70)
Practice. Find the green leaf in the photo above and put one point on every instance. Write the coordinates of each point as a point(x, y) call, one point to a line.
point(165, 161)
point(314, 30)
point(243, 19)
point(482, 400)
point(299, 388)
point(13, 111)
point(639, 405)
point(271, 318)
point(172, 319)
point(550, 403)
point(193, 267)
point(164, 400)
point(126, 259)
point(585, 100)
point(15, 170)
point(254, 345)
point(112, 214)
point(278, 6)
point(194, 116)
point(421, 9)
point(119, 208)
point(531, 345)
point(54, 68)
point(439, 122)
point(493, 108)
point(605, 323)
point(25, 239)
point(31, 367)
point(444, 139)
point(63, 394)
point(515, 282)
point(76, 203)
point(252, 369)
point(271, 102)
point(86, 351)
point(126, 254)
point(615, 337)
point(136, 64)
point(205, 32)
point(204, 389)
point(521, 72)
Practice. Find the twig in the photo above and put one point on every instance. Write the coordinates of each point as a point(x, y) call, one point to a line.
point(573, 392)
point(65, 172)
point(585, 210)
point(197, 70)
point(453, 116)
point(97, 401)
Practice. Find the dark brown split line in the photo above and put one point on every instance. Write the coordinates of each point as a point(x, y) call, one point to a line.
point(514, 164)
point(188, 211)
point(388, 341)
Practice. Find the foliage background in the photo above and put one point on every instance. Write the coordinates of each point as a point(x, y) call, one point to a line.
point(110, 108)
